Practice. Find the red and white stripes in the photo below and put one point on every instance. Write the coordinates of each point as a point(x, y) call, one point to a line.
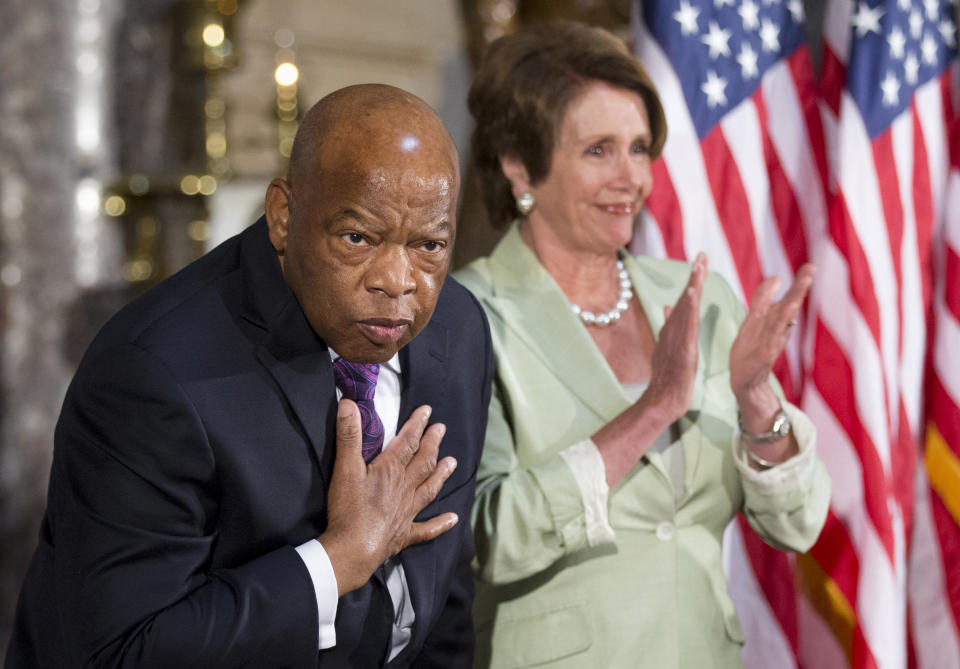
point(751, 194)
point(934, 570)
point(792, 174)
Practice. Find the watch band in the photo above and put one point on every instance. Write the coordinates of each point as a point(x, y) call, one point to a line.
point(760, 462)
point(779, 430)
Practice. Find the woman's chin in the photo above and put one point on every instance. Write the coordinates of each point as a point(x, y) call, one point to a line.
point(622, 234)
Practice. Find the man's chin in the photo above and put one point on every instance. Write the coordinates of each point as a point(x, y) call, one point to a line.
point(369, 352)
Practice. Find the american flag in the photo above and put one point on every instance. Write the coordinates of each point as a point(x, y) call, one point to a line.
point(763, 170)
point(934, 569)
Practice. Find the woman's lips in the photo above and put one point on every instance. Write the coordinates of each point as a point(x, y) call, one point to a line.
point(384, 331)
point(623, 209)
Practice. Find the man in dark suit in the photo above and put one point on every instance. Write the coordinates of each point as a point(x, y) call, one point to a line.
point(209, 503)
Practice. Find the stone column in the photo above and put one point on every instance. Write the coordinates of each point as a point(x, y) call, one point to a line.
point(58, 256)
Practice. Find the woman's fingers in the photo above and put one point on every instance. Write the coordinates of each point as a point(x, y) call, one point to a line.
point(788, 308)
point(688, 304)
point(698, 274)
point(793, 300)
point(763, 295)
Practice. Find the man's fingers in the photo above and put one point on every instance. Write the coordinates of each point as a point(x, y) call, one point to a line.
point(428, 490)
point(349, 436)
point(429, 448)
point(407, 442)
point(423, 469)
point(431, 529)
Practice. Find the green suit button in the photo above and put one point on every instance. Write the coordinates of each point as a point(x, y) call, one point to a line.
point(665, 531)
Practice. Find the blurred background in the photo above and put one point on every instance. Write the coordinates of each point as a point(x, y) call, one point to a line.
point(135, 135)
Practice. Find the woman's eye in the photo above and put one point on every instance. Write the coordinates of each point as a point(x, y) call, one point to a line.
point(596, 150)
point(640, 147)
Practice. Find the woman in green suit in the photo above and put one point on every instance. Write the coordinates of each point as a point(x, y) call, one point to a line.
point(633, 410)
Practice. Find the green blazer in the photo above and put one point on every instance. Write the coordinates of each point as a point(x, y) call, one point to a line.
point(657, 596)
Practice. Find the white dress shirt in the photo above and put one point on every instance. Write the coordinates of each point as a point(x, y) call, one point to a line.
point(386, 400)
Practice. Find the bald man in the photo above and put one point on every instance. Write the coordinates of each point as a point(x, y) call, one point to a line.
point(269, 459)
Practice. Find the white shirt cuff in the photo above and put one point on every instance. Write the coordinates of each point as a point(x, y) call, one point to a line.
point(590, 473)
point(790, 474)
point(315, 557)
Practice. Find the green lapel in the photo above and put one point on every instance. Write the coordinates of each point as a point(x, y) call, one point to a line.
point(531, 305)
point(657, 284)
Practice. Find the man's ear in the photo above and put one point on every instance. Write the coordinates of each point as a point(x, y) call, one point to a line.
point(516, 173)
point(277, 210)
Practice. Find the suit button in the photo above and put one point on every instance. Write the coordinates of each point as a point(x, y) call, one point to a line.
point(665, 531)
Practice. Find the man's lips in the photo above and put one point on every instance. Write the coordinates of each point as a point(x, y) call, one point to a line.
point(384, 330)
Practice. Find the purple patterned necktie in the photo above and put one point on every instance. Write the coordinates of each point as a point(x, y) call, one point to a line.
point(358, 381)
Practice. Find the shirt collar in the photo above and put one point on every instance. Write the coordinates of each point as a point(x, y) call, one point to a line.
point(393, 364)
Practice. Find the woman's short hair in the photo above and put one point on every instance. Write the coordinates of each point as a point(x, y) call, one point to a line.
point(521, 92)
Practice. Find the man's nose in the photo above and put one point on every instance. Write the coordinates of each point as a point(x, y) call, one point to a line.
point(391, 272)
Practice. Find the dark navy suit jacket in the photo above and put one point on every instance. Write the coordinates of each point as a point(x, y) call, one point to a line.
point(194, 451)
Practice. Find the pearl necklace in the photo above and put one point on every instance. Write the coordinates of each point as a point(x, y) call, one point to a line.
point(612, 316)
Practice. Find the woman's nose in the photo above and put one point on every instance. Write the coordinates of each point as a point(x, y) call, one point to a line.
point(633, 172)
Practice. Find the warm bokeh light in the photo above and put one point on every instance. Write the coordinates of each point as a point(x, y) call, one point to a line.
point(197, 231)
point(213, 34)
point(286, 74)
point(115, 205)
point(138, 270)
point(214, 108)
point(216, 144)
point(212, 59)
point(190, 184)
point(207, 185)
point(283, 38)
point(139, 184)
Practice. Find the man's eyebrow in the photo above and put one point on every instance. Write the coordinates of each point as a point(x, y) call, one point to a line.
point(353, 215)
point(442, 226)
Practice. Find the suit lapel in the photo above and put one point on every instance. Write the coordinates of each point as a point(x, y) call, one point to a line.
point(291, 352)
point(305, 376)
point(423, 370)
point(424, 373)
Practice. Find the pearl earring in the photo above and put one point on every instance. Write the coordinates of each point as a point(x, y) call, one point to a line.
point(526, 203)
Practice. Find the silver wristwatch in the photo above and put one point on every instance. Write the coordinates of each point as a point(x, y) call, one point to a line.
point(780, 429)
